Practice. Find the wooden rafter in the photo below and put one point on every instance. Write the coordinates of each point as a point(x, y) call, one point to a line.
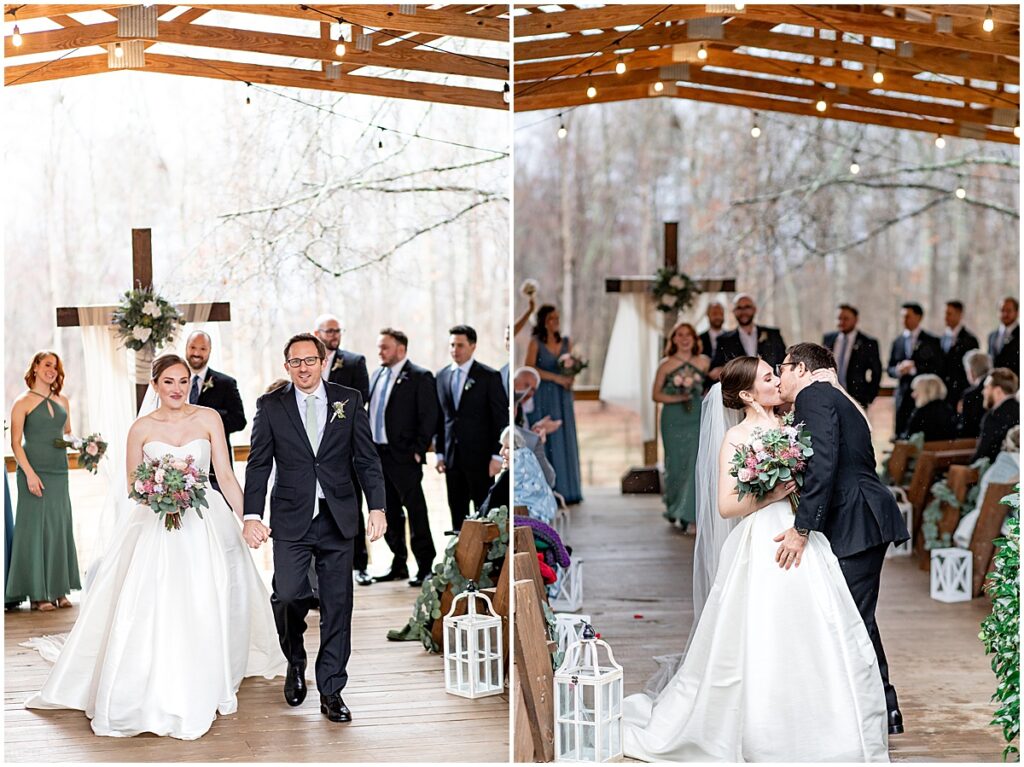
point(363, 71)
point(783, 58)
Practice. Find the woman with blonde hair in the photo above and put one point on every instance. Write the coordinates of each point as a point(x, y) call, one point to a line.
point(932, 415)
point(44, 563)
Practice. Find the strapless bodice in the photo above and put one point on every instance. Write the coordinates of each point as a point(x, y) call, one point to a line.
point(198, 449)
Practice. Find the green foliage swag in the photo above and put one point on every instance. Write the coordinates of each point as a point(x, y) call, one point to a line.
point(427, 608)
point(1000, 631)
point(144, 318)
point(674, 291)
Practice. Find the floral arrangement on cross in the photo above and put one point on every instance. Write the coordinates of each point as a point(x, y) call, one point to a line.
point(145, 319)
point(674, 291)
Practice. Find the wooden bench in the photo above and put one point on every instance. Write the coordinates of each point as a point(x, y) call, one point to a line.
point(986, 530)
point(929, 468)
point(960, 480)
point(903, 451)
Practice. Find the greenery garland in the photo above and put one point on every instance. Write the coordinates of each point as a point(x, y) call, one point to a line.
point(674, 291)
point(917, 441)
point(1000, 631)
point(427, 608)
point(941, 493)
point(145, 319)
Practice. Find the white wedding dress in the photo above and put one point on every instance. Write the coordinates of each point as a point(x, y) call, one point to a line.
point(172, 622)
point(779, 667)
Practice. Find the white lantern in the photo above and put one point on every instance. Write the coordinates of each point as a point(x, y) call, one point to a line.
point(473, 659)
point(568, 589)
point(569, 628)
point(951, 575)
point(588, 703)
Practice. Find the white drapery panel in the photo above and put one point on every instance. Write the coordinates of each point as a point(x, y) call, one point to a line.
point(632, 359)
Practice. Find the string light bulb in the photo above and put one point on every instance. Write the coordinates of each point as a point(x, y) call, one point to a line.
point(960, 193)
point(1016, 130)
point(702, 53)
point(118, 50)
point(16, 40)
point(620, 66)
point(659, 86)
point(339, 49)
point(854, 166)
point(821, 105)
point(506, 94)
point(940, 142)
point(562, 130)
point(877, 77)
point(591, 92)
point(989, 23)
point(740, 6)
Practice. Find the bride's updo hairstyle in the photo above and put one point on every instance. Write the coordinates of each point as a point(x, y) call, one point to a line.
point(738, 375)
point(165, 361)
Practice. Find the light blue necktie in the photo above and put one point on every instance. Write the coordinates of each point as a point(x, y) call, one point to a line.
point(908, 346)
point(841, 355)
point(378, 420)
point(312, 428)
point(457, 387)
point(947, 342)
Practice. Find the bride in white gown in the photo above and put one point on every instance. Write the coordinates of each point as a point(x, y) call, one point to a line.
point(173, 619)
point(779, 666)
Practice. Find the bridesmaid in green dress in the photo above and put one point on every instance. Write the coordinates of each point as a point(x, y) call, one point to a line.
point(678, 386)
point(44, 563)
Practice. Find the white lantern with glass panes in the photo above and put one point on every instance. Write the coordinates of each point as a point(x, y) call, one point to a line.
point(473, 658)
point(588, 702)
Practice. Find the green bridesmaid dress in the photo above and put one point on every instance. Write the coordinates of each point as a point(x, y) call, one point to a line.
point(44, 563)
point(680, 433)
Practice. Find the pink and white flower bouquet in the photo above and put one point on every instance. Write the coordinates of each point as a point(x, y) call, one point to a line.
point(170, 486)
point(685, 382)
point(572, 364)
point(773, 456)
point(90, 450)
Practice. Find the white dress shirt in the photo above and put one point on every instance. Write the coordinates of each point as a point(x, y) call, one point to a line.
point(380, 390)
point(749, 340)
point(329, 363)
point(951, 334)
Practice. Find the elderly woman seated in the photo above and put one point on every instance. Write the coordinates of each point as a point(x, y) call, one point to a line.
point(530, 486)
point(932, 415)
point(1005, 469)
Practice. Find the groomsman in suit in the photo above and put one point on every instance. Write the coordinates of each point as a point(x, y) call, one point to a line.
point(857, 357)
point(716, 321)
point(347, 369)
point(971, 408)
point(212, 389)
point(1002, 412)
point(474, 410)
point(403, 416)
point(956, 342)
point(913, 353)
point(506, 371)
point(1004, 341)
point(748, 340)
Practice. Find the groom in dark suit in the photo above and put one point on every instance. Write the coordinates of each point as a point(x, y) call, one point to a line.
point(474, 410)
point(842, 496)
point(317, 433)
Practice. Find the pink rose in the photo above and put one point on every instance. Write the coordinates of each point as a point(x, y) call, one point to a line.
point(159, 476)
point(751, 462)
point(147, 486)
point(745, 475)
point(92, 449)
point(179, 464)
point(140, 486)
point(687, 382)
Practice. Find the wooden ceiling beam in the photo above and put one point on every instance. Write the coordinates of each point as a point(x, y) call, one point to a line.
point(65, 21)
point(1001, 14)
point(961, 65)
point(607, 17)
point(756, 103)
point(43, 11)
point(60, 40)
point(449, 24)
point(860, 79)
point(266, 75)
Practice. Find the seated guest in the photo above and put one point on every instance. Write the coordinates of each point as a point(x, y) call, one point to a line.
point(956, 341)
point(1004, 341)
point(530, 486)
point(932, 415)
point(971, 406)
point(1002, 412)
point(1005, 469)
point(858, 362)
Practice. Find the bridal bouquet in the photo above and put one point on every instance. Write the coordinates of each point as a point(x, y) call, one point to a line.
point(572, 364)
point(773, 456)
point(170, 486)
point(90, 450)
point(685, 383)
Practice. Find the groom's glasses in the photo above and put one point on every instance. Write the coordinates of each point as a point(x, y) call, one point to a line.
point(778, 368)
point(309, 362)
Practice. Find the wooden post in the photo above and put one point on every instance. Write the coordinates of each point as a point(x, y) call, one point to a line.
point(475, 539)
point(533, 672)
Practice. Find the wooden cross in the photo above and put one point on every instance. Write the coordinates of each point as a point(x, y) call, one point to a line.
point(641, 478)
point(142, 277)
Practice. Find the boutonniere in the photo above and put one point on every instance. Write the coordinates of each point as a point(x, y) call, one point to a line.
point(338, 362)
point(207, 385)
point(339, 410)
point(762, 338)
point(469, 384)
point(401, 378)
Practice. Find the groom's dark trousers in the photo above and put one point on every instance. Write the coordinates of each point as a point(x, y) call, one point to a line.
point(843, 498)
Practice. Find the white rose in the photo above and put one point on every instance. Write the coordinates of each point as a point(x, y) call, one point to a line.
point(790, 431)
point(159, 476)
point(668, 301)
point(139, 486)
point(762, 455)
point(142, 334)
point(676, 282)
point(757, 445)
point(151, 309)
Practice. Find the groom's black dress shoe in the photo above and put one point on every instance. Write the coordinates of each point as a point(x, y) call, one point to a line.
point(334, 708)
point(392, 575)
point(416, 582)
point(895, 722)
point(295, 684)
point(363, 578)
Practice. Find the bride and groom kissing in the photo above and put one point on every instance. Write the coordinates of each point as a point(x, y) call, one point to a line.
point(173, 620)
point(784, 661)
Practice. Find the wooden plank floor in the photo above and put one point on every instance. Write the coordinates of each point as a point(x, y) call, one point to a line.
point(635, 564)
point(396, 691)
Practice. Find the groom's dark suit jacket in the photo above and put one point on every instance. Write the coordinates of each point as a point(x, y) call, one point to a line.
point(842, 496)
point(279, 435)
